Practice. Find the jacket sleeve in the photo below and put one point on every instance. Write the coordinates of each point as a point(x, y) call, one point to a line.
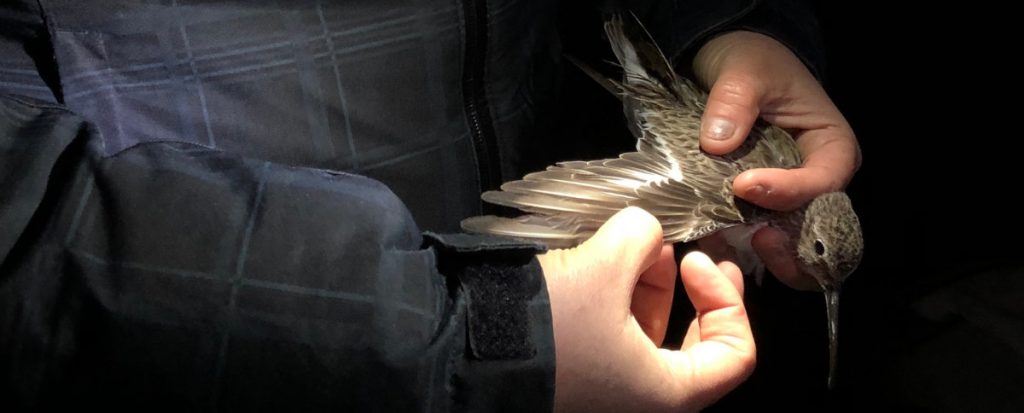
point(171, 276)
point(791, 22)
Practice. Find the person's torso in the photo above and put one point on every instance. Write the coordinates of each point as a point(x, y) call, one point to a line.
point(430, 97)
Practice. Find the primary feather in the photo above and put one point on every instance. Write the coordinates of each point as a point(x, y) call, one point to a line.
point(688, 190)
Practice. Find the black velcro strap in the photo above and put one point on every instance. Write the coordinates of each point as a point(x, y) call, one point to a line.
point(499, 277)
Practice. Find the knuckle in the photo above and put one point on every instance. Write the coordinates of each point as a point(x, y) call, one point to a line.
point(736, 90)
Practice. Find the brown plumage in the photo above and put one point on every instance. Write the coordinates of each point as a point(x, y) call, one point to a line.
point(689, 191)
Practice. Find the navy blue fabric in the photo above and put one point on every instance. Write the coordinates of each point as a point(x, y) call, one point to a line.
point(329, 85)
point(219, 205)
point(177, 274)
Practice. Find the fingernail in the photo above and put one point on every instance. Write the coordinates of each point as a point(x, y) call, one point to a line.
point(720, 129)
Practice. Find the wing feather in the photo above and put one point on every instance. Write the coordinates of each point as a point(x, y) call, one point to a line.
point(688, 190)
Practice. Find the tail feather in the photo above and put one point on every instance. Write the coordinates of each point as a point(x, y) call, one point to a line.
point(640, 57)
point(610, 85)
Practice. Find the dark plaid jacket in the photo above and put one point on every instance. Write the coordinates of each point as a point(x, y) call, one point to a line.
point(211, 206)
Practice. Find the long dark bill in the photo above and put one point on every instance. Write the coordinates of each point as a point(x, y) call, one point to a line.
point(832, 312)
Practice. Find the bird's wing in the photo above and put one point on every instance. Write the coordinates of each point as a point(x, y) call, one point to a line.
point(687, 190)
point(664, 110)
point(568, 202)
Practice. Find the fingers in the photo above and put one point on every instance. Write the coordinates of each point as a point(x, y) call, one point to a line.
point(735, 276)
point(715, 295)
point(832, 156)
point(692, 336)
point(631, 239)
point(752, 75)
point(716, 247)
point(725, 354)
point(733, 273)
point(652, 298)
point(771, 246)
point(732, 107)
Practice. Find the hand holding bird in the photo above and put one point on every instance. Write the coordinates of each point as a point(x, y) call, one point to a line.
point(749, 76)
point(689, 190)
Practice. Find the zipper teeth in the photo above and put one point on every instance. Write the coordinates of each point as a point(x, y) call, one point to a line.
point(480, 123)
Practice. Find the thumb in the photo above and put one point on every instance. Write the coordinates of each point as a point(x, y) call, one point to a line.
point(732, 108)
point(631, 240)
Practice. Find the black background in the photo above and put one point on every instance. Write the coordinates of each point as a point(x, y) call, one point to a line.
point(932, 97)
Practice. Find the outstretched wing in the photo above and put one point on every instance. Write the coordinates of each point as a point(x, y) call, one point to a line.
point(568, 202)
point(689, 191)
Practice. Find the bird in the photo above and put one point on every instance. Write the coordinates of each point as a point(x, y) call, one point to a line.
point(687, 189)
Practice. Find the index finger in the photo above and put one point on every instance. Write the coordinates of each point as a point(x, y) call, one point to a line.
point(725, 354)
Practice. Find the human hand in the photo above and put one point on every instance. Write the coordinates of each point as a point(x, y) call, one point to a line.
point(610, 302)
point(754, 75)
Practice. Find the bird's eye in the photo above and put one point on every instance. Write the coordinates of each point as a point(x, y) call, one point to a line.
point(819, 247)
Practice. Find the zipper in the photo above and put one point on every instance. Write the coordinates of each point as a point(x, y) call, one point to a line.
point(478, 115)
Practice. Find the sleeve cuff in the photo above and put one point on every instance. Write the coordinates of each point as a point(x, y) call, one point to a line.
point(789, 22)
point(499, 278)
point(508, 363)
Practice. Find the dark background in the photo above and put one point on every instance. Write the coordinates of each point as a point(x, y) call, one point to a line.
point(933, 319)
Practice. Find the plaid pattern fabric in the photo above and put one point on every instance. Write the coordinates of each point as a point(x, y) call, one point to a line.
point(187, 217)
point(200, 242)
point(369, 87)
point(177, 277)
point(303, 85)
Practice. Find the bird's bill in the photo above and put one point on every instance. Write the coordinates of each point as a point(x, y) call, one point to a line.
point(832, 312)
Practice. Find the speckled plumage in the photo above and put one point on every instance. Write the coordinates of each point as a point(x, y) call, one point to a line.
point(689, 191)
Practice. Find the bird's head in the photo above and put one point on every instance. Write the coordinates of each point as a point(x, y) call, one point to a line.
point(830, 244)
